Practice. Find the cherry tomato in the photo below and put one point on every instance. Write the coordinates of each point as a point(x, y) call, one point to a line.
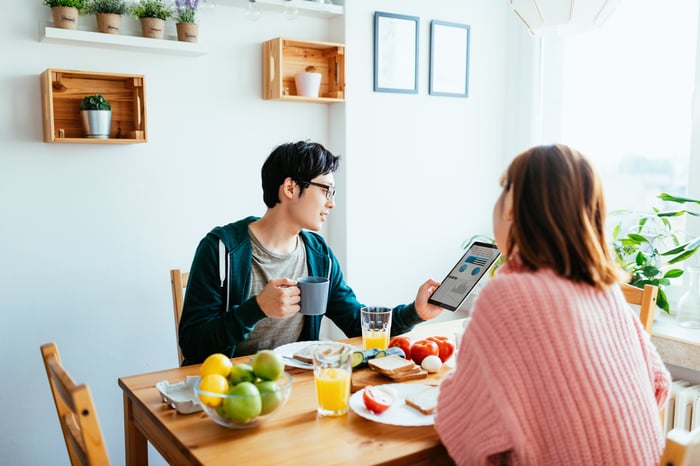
point(423, 348)
point(404, 343)
point(376, 400)
point(446, 347)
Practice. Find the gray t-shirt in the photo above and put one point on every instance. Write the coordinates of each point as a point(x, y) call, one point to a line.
point(270, 333)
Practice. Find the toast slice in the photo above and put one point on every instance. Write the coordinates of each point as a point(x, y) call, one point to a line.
point(392, 365)
point(305, 354)
point(417, 373)
point(424, 401)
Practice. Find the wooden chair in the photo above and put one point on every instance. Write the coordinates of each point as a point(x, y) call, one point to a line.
point(76, 413)
point(682, 448)
point(645, 299)
point(178, 282)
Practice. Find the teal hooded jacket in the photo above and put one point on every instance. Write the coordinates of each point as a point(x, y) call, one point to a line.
point(218, 313)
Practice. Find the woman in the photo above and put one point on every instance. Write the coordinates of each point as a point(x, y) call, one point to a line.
point(554, 368)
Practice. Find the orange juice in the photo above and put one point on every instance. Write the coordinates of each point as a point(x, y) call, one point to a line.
point(332, 390)
point(375, 339)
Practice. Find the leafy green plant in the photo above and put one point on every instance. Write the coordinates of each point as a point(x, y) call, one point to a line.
point(79, 4)
point(651, 248)
point(95, 102)
point(152, 9)
point(116, 7)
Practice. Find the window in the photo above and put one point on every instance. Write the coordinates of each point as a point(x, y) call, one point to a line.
point(624, 96)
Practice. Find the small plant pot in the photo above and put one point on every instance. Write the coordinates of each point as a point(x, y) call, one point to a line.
point(96, 123)
point(187, 32)
point(153, 28)
point(308, 84)
point(109, 23)
point(65, 17)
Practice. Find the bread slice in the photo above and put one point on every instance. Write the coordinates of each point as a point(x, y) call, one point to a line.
point(424, 401)
point(418, 373)
point(391, 365)
point(305, 354)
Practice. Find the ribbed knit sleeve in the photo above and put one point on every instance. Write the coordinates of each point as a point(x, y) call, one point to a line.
point(553, 372)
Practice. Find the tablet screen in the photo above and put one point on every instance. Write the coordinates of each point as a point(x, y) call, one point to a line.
point(464, 276)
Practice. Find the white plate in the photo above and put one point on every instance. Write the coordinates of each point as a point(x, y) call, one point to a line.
point(399, 414)
point(287, 352)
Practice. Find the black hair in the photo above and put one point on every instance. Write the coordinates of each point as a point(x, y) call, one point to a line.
point(302, 161)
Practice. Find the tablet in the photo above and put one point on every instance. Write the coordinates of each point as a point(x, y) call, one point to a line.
point(464, 276)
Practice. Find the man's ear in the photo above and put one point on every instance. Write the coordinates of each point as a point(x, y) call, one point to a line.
point(287, 188)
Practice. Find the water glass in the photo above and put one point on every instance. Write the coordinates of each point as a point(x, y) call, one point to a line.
point(332, 371)
point(376, 327)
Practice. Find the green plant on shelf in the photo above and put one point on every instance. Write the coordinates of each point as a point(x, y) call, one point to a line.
point(95, 102)
point(79, 4)
point(651, 247)
point(116, 7)
point(152, 9)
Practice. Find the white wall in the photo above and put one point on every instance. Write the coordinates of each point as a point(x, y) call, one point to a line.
point(89, 232)
point(422, 170)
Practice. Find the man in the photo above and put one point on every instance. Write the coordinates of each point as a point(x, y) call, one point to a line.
point(242, 294)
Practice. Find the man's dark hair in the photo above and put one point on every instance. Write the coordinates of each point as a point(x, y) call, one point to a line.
point(301, 161)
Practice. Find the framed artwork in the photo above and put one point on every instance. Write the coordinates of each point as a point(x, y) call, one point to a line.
point(395, 53)
point(449, 59)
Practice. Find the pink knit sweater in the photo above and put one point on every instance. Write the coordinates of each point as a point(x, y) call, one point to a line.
point(556, 373)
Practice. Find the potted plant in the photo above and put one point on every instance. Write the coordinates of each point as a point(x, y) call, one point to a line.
point(651, 247)
point(65, 12)
point(152, 14)
point(308, 82)
point(187, 27)
point(108, 13)
point(96, 115)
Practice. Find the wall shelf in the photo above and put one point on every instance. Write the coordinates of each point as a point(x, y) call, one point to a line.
point(282, 58)
point(62, 91)
point(98, 39)
point(307, 8)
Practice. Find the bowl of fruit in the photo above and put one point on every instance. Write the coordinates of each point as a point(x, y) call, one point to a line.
point(240, 396)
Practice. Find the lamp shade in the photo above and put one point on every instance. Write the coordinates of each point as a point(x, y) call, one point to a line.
point(542, 17)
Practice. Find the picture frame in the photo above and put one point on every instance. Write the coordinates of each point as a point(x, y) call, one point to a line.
point(449, 59)
point(395, 53)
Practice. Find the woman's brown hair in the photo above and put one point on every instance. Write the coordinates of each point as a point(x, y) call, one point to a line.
point(559, 215)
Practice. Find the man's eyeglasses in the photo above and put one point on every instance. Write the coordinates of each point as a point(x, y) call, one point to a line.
point(330, 190)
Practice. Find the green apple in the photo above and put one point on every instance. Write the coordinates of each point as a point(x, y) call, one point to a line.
point(245, 405)
point(241, 373)
point(270, 395)
point(268, 365)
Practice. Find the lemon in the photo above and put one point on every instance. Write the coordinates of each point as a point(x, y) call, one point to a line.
point(216, 363)
point(213, 383)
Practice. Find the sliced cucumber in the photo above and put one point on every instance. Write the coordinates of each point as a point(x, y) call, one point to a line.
point(360, 358)
point(394, 350)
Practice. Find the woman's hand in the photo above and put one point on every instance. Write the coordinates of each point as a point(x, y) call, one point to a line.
point(425, 310)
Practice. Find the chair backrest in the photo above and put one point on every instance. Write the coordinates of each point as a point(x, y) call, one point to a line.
point(682, 448)
point(646, 300)
point(76, 413)
point(178, 282)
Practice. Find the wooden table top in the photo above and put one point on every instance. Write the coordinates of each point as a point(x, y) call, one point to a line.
point(295, 435)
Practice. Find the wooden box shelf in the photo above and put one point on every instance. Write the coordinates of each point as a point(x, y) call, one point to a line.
point(282, 58)
point(63, 90)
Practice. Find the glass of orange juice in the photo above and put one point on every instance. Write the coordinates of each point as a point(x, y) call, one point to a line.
point(332, 370)
point(376, 327)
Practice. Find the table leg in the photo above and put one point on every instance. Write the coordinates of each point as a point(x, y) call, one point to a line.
point(134, 441)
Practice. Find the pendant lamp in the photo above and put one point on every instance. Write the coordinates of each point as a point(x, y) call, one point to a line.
point(559, 17)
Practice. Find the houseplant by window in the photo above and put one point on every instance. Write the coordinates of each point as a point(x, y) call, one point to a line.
point(108, 13)
point(65, 12)
point(96, 115)
point(650, 248)
point(187, 27)
point(152, 14)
